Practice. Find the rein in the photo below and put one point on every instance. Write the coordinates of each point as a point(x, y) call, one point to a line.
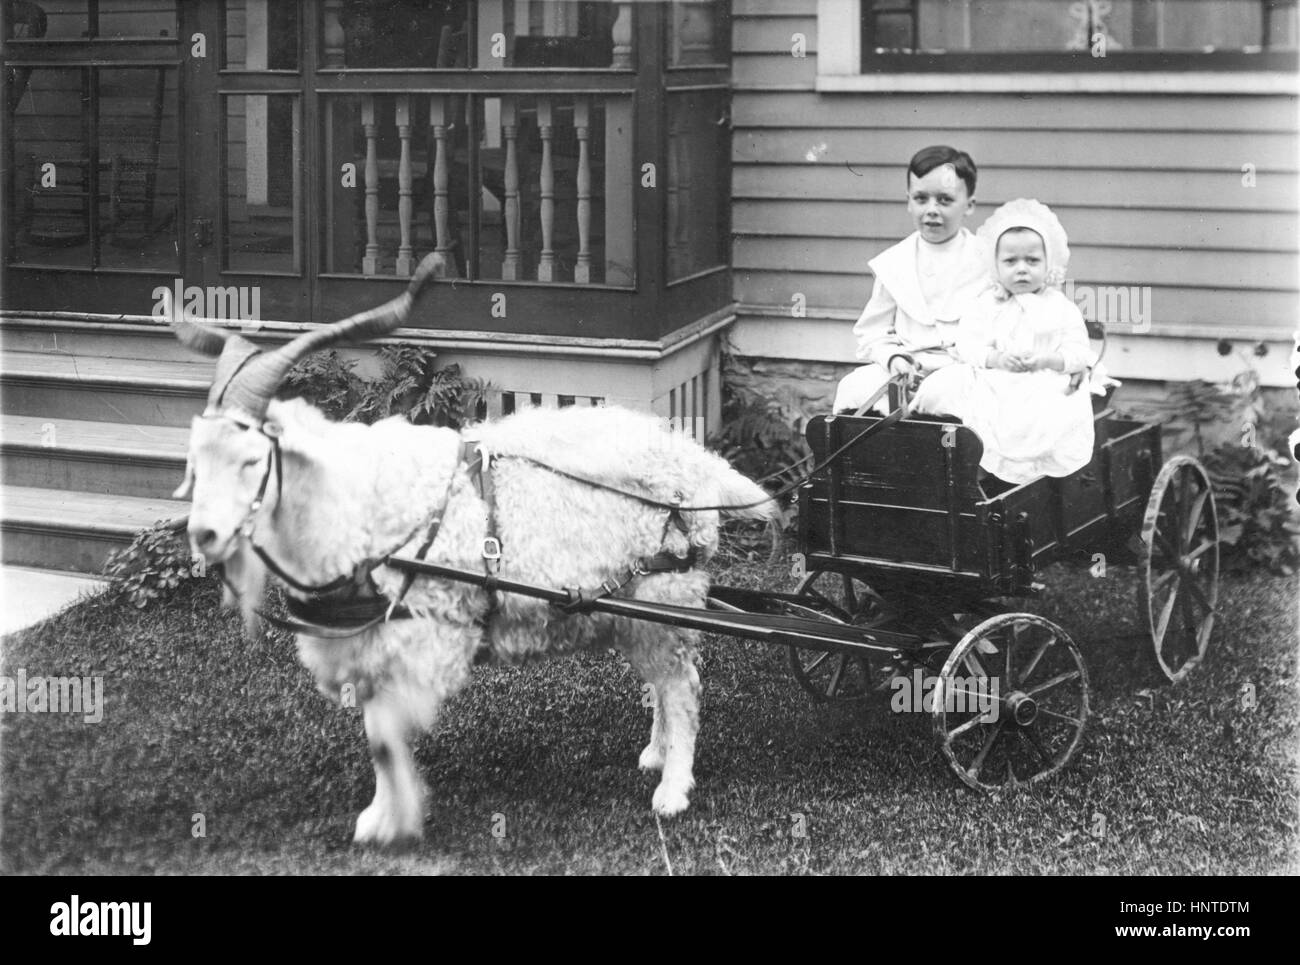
point(894, 417)
point(579, 599)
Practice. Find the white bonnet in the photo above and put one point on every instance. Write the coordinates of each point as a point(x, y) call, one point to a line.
point(1028, 213)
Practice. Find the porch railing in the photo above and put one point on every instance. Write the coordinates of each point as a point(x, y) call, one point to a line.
point(517, 187)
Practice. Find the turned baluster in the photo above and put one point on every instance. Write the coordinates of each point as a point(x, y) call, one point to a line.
point(370, 263)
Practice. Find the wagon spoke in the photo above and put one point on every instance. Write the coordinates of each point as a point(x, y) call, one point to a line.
point(973, 664)
point(1201, 550)
point(814, 592)
point(1199, 592)
point(1162, 625)
point(965, 725)
point(978, 763)
point(1033, 663)
point(833, 687)
point(1162, 579)
point(1010, 646)
point(1190, 623)
point(1054, 682)
point(817, 662)
point(850, 597)
point(1059, 716)
point(1184, 498)
point(1171, 552)
point(1198, 507)
point(1037, 743)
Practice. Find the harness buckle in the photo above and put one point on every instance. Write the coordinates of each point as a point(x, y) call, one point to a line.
point(610, 586)
point(492, 552)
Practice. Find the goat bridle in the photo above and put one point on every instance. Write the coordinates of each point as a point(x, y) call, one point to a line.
point(274, 461)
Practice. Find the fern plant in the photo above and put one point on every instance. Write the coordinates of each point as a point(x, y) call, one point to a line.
point(412, 385)
point(326, 381)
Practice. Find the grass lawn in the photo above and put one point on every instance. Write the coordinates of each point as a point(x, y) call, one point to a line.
point(199, 722)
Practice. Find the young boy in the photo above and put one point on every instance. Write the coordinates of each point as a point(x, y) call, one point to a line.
point(923, 283)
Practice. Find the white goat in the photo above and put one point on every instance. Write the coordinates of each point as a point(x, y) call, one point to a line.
point(339, 497)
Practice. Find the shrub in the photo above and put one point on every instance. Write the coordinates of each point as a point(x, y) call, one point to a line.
point(157, 561)
point(1257, 523)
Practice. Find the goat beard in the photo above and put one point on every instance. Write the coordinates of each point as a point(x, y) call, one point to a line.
point(245, 587)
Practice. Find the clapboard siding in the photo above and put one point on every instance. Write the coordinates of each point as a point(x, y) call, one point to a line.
point(1200, 191)
point(774, 35)
point(1150, 187)
point(962, 112)
point(1127, 266)
point(879, 221)
point(1213, 311)
point(1039, 147)
point(779, 71)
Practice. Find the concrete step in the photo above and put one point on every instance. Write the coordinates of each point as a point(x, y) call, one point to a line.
point(67, 530)
point(90, 388)
point(93, 457)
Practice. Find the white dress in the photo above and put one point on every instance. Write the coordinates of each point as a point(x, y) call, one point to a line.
point(1031, 423)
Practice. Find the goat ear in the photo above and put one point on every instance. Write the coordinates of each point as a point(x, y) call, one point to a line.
point(186, 489)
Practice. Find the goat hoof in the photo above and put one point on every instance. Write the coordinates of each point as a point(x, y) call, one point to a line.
point(669, 801)
point(380, 829)
point(651, 759)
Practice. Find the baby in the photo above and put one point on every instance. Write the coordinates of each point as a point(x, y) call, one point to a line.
point(1020, 342)
point(923, 283)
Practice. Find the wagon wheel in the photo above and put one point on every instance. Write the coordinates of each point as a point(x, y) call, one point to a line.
point(1011, 703)
point(1179, 560)
point(844, 599)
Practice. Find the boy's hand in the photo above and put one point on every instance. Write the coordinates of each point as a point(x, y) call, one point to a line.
point(899, 365)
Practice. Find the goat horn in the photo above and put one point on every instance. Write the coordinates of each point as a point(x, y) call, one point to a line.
point(254, 387)
point(199, 338)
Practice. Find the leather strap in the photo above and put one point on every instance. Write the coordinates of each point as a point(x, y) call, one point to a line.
point(478, 461)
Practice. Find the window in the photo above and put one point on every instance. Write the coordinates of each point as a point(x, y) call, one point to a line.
point(459, 34)
point(1078, 35)
point(96, 176)
point(52, 20)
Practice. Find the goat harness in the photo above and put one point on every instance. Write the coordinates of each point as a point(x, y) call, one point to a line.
point(351, 603)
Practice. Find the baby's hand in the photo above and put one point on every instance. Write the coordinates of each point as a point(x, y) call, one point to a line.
point(1033, 361)
point(1005, 360)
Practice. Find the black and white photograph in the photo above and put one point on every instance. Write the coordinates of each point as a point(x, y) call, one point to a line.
point(655, 438)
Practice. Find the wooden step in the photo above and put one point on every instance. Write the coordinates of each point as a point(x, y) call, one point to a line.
point(140, 339)
point(93, 457)
point(95, 389)
point(65, 530)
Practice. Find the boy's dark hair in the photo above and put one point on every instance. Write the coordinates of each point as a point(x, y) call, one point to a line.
point(928, 158)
